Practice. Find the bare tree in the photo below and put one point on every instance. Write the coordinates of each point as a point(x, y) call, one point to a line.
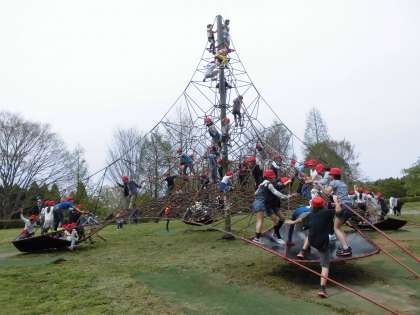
point(347, 152)
point(278, 139)
point(29, 152)
point(127, 155)
point(316, 129)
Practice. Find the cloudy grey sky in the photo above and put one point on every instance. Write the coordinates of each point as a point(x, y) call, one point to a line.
point(89, 67)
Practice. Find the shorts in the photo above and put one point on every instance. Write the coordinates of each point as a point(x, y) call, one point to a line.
point(224, 187)
point(324, 258)
point(258, 205)
point(345, 213)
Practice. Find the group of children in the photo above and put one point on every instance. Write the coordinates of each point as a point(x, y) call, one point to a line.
point(63, 216)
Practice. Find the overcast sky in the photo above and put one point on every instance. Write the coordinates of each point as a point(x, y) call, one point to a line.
point(89, 67)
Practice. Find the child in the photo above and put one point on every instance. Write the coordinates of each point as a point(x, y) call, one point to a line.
point(130, 191)
point(319, 221)
point(119, 219)
point(236, 110)
point(168, 212)
point(70, 234)
point(225, 184)
point(259, 206)
point(212, 163)
point(30, 224)
point(170, 181)
point(185, 161)
point(211, 71)
point(214, 133)
point(225, 130)
point(339, 188)
point(210, 38)
point(48, 217)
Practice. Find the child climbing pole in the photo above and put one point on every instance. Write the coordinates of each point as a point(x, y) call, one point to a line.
point(213, 132)
point(210, 38)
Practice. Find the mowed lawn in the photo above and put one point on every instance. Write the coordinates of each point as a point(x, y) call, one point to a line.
point(143, 269)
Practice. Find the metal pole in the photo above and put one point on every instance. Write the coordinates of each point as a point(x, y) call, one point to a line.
point(222, 104)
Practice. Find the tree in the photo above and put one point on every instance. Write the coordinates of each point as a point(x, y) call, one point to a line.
point(336, 154)
point(29, 152)
point(77, 165)
point(316, 129)
point(128, 154)
point(278, 139)
point(412, 179)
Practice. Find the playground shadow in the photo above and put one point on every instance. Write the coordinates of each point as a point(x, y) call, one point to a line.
point(347, 273)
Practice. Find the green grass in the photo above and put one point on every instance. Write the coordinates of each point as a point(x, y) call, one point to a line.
point(145, 270)
point(411, 206)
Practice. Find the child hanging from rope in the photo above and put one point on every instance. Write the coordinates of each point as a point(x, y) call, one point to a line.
point(210, 38)
point(236, 110)
point(320, 222)
point(339, 188)
point(30, 225)
point(263, 193)
point(214, 133)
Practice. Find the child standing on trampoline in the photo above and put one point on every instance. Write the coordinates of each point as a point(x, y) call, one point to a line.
point(264, 190)
point(320, 223)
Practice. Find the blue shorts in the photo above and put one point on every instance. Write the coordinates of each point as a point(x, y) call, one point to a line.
point(224, 187)
point(259, 206)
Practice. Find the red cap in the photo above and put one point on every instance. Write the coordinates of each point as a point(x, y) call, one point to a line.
point(229, 173)
point(168, 210)
point(46, 202)
point(69, 226)
point(284, 180)
point(69, 198)
point(351, 193)
point(317, 202)
point(51, 203)
point(33, 217)
point(320, 168)
point(293, 162)
point(78, 207)
point(360, 189)
point(378, 195)
point(124, 178)
point(269, 174)
point(310, 163)
point(251, 159)
point(208, 121)
point(335, 171)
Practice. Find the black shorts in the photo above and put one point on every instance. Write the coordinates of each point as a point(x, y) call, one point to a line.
point(344, 214)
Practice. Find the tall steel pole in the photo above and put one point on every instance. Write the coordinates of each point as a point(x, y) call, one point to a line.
point(223, 105)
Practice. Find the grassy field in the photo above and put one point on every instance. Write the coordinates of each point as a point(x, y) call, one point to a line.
point(143, 269)
point(411, 206)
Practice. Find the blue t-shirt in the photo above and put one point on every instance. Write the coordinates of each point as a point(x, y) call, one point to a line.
point(64, 205)
point(340, 190)
point(185, 159)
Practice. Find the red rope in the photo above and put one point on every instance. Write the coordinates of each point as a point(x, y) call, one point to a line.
point(367, 298)
point(338, 284)
point(387, 253)
point(405, 250)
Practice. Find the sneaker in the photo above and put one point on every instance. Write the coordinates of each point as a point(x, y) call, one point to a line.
point(258, 240)
point(277, 240)
point(344, 252)
point(323, 292)
point(301, 255)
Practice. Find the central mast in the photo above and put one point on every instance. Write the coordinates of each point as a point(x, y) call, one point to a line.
point(222, 103)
